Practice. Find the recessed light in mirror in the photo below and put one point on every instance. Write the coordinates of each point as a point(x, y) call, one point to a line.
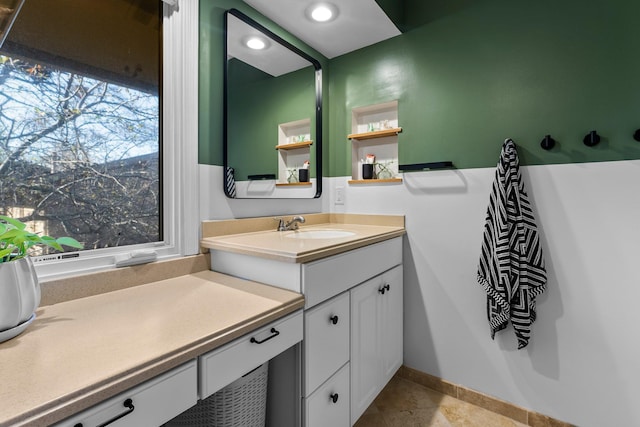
point(322, 12)
point(256, 43)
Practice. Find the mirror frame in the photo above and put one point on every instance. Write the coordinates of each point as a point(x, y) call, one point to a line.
point(318, 86)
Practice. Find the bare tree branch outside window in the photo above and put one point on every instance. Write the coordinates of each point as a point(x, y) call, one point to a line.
point(80, 155)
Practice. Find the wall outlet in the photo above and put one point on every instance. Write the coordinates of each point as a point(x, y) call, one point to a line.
point(339, 199)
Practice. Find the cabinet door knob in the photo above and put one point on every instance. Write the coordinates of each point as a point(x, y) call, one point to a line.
point(384, 288)
point(334, 319)
point(334, 397)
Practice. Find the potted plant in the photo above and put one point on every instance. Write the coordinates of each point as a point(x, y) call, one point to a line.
point(19, 287)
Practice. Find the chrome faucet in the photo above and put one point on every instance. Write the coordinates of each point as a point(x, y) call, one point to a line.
point(290, 225)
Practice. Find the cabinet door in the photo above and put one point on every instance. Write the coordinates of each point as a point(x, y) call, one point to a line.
point(366, 364)
point(392, 314)
point(376, 337)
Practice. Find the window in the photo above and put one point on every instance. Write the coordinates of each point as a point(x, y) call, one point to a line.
point(82, 151)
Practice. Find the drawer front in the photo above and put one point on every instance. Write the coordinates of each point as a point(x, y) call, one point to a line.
point(222, 366)
point(326, 341)
point(154, 402)
point(331, 276)
point(329, 404)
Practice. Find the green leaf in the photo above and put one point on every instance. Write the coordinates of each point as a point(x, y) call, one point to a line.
point(15, 240)
point(70, 241)
point(17, 224)
point(12, 234)
point(5, 252)
point(50, 241)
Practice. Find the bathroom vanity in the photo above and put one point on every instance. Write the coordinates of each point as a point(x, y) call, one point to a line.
point(144, 354)
point(349, 269)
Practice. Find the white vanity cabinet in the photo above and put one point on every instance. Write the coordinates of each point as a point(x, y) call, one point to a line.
point(376, 337)
point(352, 323)
point(162, 398)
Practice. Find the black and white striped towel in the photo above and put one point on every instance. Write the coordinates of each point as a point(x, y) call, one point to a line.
point(511, 268)
point(229, 182)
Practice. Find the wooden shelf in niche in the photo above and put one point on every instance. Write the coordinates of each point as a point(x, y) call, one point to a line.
point(292, 184)
point(374, 181)
point(293, 148)
point(375, 134)
point(382, 142)
point(294, 145)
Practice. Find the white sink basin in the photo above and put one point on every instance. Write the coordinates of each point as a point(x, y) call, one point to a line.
point(319, 234)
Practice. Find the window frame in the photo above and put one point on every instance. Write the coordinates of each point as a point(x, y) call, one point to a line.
point(180, 189)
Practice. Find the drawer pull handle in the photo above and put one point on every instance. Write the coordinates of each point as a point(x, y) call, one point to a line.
point(384, 289)
point(334, 319)
point(127, 404)
point(274, 333)
point(334, 397)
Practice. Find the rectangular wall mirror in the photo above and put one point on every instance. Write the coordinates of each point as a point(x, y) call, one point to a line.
point(273, 114)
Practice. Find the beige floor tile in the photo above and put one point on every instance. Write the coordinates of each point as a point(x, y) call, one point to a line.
point(369, 419)
point(428, 417)
point(404, 395)
point(404, 403)
point(462, 414)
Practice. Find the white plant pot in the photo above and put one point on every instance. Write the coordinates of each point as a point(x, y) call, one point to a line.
point(19, 293)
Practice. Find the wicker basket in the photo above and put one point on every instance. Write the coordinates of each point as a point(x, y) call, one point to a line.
point(240, 404)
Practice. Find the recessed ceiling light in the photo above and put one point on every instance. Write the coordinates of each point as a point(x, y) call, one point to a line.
point(256, 43)
point(322, 12)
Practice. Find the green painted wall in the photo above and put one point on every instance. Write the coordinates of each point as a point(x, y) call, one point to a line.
point(472, 77)
point(258, 103)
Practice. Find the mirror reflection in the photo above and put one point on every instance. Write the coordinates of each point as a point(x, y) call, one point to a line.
point(272, 146)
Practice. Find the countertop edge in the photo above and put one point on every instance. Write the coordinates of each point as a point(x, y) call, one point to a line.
point(303, 256)
point(55, 411)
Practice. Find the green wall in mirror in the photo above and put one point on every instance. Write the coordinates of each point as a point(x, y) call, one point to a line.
point(273, 114)
point(257, 104)
point(211, 75)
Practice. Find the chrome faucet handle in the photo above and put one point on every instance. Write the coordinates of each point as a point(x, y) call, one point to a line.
point(281, 225)
point(293, 224)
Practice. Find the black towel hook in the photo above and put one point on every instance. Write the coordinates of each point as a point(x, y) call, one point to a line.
point(636, 135)
point(547, 142)
point(591, 139)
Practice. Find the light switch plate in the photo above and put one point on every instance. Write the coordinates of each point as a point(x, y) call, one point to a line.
point(339, 199)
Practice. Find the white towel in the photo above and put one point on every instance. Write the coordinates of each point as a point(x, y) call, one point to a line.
point(511, 268)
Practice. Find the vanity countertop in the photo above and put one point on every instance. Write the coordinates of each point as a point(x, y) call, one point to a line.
point(282, 246)
point(78, 353)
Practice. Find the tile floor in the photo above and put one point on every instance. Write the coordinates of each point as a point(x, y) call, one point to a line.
point(403, 403)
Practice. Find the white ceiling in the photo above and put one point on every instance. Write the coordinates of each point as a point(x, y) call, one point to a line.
point(359, 23)
point(277, 61)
